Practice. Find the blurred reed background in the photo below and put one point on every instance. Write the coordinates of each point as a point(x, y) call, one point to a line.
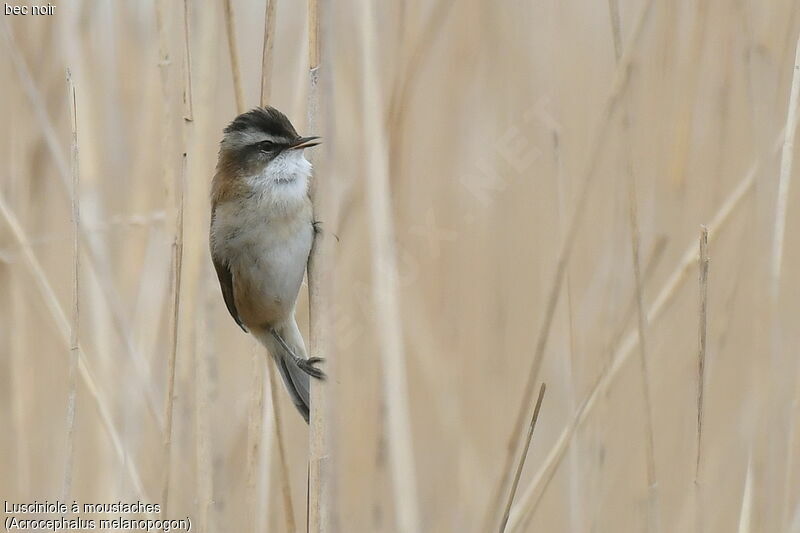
point(533, 153)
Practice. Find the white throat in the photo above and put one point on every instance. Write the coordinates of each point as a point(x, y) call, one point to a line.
point(289, 165)
point(285, 179)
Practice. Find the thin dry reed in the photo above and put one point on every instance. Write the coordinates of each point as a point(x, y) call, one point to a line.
point(787, 160)
point(76, 271)
point(203, 442)
point(254, 429)
point(385, 291)
point(701, 372)
point(176, 266)
point(778, 237)
point(523, 456)
point(188, 109)
point(233, 54)
point(746, 510)
point(283, 466)
point(703, 343)
point(270, 11)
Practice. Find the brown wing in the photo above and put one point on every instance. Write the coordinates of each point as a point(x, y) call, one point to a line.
point(225, 277)
point(226, 284)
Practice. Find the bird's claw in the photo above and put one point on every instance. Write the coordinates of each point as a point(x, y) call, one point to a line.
point(307, 366)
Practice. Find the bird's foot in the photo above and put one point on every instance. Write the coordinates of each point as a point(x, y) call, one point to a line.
point(307, 366)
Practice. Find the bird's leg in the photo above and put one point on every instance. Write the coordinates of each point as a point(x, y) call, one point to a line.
point(306, 365)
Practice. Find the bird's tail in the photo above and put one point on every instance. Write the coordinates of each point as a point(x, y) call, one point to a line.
point(294, 378)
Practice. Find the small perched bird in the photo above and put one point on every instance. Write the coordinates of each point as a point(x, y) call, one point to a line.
point(262, 229)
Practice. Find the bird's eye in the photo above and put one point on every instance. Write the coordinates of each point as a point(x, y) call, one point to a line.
point(266, 146)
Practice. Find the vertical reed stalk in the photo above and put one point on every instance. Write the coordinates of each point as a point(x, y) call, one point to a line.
point(188, 109)
point(176, 265)
point(76, 270)
point(385, 291)
point(746, 510)
point(233, 52)
point(254, 430)
point(204, 345)
point(283, 464)
point(20, 371)
point(616, 27)
point(267, 466)
point(270, 12)
point(203, 455)
point(195, 276)
point(169, 399)
point(320, 483)
point(787, 161)
point(701, 371)
point(703, 329)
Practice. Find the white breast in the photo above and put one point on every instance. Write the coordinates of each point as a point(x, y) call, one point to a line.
point(266, 236)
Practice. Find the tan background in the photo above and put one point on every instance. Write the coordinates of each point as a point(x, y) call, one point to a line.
point(499, 107)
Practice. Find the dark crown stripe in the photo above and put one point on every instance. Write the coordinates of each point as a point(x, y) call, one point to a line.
point(267, 119)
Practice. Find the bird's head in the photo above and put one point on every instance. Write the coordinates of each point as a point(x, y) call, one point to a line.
point(263, 144)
